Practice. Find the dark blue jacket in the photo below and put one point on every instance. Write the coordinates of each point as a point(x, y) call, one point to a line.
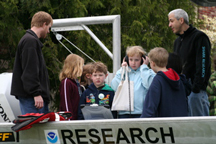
point(165, 98)
point(91, 96)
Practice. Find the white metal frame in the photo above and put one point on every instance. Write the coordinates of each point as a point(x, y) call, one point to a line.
point(72, 24)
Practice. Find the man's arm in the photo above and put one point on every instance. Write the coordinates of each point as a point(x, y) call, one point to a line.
point(31, 69)
point(203, 51)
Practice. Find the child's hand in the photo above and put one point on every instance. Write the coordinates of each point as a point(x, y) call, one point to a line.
point(124, 63)
point(146, 60)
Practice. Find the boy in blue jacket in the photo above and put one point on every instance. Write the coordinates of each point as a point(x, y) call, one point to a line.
point(166, 96)
point(98, 92)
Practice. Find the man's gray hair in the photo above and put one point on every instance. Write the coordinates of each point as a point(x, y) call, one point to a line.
point(180, 13)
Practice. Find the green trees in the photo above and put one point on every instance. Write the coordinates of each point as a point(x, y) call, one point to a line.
point(143, 22)
point(11, 30)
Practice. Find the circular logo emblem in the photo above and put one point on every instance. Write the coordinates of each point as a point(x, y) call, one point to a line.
point(52, 137)
point(101, 96)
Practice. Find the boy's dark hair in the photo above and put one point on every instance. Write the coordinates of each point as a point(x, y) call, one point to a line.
point(174, 62)
point(99, 67)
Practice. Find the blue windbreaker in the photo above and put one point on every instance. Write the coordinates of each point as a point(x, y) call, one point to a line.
point(142, 78)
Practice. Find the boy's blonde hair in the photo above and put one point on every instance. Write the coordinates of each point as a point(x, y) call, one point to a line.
point(72, 68)
point(134, 50)
point(40, 18)
point(87, 69)
point(99, 67)
point(159, 55)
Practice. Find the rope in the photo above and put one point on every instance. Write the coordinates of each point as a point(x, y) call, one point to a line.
point(61, 36)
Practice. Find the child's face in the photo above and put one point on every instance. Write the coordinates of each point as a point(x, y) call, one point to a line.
point(88, 77)
point(134, 61)
point(98, 78)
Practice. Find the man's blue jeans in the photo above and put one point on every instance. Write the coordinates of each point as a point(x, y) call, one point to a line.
point(198, 104)
point(27, 105)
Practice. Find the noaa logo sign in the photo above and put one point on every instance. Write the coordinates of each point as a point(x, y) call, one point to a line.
point(52, 136)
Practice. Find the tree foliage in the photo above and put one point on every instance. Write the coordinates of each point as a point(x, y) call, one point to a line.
point(143, 22)
point(208, 26)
